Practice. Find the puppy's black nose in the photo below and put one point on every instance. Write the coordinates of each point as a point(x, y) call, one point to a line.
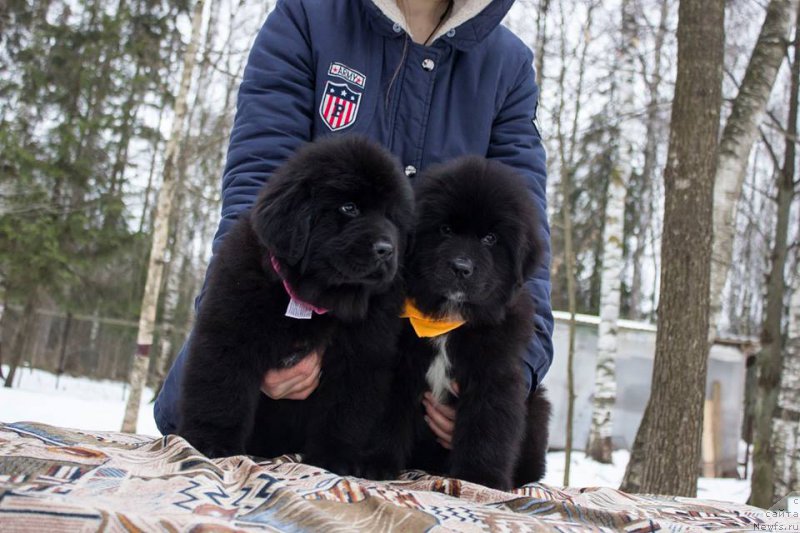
point(383, 249)
point(461, 267)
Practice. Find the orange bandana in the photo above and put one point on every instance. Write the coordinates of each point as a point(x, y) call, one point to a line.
point(426, 326)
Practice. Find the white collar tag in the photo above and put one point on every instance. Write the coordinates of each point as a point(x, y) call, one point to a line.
point(299, 310)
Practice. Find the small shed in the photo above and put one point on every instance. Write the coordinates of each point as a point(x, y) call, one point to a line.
point(637, 340)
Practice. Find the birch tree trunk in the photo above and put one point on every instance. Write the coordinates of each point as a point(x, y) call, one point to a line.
point(666, 452)
point(769, 361)
point(786, 420)
point(741, 130)
point(599, 446)
point(605, 381)
point(155, 268)
point(145, 219)
point(171, 296)
point(567, 142)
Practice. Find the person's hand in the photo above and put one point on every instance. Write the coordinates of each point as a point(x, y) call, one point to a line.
point(440, 418)
point(296, 382)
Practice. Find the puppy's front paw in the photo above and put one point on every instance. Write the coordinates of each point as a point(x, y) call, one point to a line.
point(213, 448)
point(338, 464)
point(382, 468)
point(217, 452)
point(493, 480)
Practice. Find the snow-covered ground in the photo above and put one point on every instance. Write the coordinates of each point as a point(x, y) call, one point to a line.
point(86, 404)
point(585, 472)
point(79, 403)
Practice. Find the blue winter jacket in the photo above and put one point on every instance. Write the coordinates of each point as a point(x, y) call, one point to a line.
point(332, 67)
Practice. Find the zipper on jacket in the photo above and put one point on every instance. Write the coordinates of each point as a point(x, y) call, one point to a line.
point(394, 96)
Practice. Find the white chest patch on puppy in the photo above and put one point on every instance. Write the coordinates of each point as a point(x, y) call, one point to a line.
point(438, 375)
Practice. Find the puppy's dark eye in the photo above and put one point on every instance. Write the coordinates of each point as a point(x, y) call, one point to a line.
point(349, 209)
point(446, 230)
point(489, 239)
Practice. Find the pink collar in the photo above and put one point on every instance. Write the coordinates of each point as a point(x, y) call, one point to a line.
point(297, 308)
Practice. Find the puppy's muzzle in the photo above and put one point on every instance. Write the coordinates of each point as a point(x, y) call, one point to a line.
point(462, 267)
point(383, 249)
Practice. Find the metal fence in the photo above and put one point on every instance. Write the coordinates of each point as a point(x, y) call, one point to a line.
point(80, 345)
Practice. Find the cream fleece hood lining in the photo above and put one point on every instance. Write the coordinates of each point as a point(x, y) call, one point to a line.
point(463, 11)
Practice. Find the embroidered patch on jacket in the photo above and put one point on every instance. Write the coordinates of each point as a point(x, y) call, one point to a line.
point(348, 74)
point(339, 106)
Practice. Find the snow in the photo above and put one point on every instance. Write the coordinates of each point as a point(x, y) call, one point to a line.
point(585, 472)
point(82, 403)
point(78, 403)
point(594, 320)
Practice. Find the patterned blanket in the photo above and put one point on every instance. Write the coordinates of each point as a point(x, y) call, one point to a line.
point(54, 479)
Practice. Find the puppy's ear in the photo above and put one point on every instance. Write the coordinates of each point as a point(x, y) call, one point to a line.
point(406, 221)
point(529, 253)
point(409, 237)
point(282, 217)
point(410, 242)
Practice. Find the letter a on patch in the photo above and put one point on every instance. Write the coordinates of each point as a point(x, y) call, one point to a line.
point(339, 106)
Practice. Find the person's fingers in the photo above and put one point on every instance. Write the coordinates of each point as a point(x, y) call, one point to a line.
point(307, 366)
point(277, 378)
point(440, 424)
point(278, 383)
point(441, 434)
point(443, 444)
point(456, 389)
point(440, 418)
point(306, 386)
point(277, 390)
point(313, 364)
point(304, 390)
point(313, 360)
point(445, 410)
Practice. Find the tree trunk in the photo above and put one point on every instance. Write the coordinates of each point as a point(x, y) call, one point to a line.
point(567, 166)
point(62, 355)
point(599, 445)
point(786, 418)
point(541, 40)
point(171, 294)
point(738, 137)
point(94, 333)
point(666, 453)
point(145, 218)
point(765, 456)
point(147, 319)
point(605, 383)
point(569, 258)
point(3, 305)
point(644, 219)
point(25, 331)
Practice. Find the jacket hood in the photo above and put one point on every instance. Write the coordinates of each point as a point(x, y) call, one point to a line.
point(468, 24)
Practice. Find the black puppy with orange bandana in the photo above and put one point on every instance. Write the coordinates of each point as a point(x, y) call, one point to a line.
point(469, 321)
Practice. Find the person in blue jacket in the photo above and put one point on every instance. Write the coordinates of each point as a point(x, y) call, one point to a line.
point(429, 79)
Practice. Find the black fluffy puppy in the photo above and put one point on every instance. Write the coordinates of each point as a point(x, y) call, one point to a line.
point(313, 266)
point(475, 246)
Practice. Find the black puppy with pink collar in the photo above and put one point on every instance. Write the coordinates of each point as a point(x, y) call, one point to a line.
point(312, 266)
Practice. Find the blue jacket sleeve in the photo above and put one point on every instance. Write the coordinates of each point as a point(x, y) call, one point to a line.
point(273, 118)
point(515, 141)
point(274, 113)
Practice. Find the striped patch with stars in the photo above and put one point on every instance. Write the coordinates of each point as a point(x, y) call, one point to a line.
point(339, 106)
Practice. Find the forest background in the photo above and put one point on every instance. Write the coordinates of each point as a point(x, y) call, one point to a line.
point(114, 121)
